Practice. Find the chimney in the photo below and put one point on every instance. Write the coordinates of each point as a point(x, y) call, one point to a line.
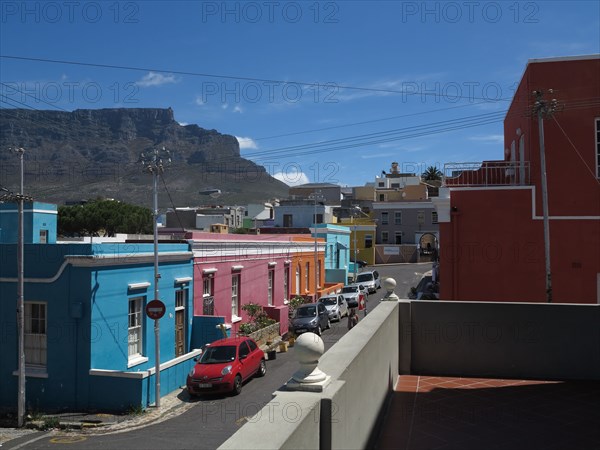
point(394, 170)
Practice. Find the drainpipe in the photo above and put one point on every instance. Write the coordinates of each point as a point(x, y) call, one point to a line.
point(454, 219)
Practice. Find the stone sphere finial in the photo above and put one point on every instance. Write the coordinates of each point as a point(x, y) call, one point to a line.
point(390, 285)
point(308, 349)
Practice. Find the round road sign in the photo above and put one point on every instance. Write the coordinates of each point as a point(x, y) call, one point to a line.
point(155, 309)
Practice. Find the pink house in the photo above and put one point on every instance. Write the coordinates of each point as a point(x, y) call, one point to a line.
point(231, 270)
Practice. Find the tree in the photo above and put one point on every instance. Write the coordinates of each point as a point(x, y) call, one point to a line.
point(103, 216)
point(432, 173)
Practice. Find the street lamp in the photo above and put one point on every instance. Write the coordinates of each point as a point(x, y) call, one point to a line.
point(153, 163)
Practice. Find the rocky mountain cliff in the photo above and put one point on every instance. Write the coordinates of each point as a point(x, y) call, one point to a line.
point(72, 156)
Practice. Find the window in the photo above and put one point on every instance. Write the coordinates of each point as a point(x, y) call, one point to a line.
point(398, 218)
point(35, 334)
point(382, 197)
point(318, 218)
point(286, 282)
point(235, 295)
point(244, 350)
point(381, 184)
point(420, 217)
point(134, 329)
point(319, 273)
point(288, 220)
point(43, 236)
point(368, 241)
point(398, 237)
point(208, 301)
point(384, 218)
point(384, 237)
point(395, 185)
point(271, 283)
point(598, 147)
point(252, 345)
point(298, 278)
point(306, 276)
point(434, 217)
point(180, 297)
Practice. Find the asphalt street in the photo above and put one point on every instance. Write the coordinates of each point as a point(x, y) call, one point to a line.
point(212, 420)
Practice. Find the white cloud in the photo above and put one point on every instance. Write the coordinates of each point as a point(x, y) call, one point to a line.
point(292, 177)
point(156, 79)
point(238, 109)
point(490, 138)
point(198, 101)
point(224, 106)
point(183, 124)
point(246, 143)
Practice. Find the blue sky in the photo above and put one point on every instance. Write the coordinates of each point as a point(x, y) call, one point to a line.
point(283, 76)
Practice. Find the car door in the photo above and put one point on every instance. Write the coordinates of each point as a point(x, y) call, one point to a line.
point(255, 354)
point(245, 362)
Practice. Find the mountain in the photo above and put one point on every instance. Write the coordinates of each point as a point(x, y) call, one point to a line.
point(89, 153)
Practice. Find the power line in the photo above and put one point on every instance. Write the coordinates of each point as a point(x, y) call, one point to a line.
point(240, 78)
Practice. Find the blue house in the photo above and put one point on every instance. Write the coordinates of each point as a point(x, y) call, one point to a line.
point(39, 223)
point(88, 342)
point(337, 251)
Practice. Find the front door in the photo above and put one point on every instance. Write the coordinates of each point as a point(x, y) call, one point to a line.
point(179, 332)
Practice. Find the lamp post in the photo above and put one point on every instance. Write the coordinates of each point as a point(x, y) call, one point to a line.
point(153, 163)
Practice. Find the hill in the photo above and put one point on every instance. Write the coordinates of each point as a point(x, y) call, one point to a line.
point(87, 153)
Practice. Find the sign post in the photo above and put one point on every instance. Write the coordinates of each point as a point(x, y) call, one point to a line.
point(155, 309)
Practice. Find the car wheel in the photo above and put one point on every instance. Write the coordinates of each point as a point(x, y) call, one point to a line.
point(237, 385)
point(262, 369)
point(318, 331)
point(328, 324)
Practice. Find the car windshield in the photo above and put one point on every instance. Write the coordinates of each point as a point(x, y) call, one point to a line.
point(310, 311)
point(221, 354)
point(349, 289)
point(329, 301)
point(364, 277)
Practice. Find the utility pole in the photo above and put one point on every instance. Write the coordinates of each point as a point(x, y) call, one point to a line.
point(20, 199)
point(153, 163)
point(316, 196)
point(544, 109)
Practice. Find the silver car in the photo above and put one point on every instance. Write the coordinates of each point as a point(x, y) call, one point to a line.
point(369, 280)
point(336, 306)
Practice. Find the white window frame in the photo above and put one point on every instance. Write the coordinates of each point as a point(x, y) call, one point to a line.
point(384, 237)
point(385, 218)
point(180, 299)
point(298, 279)
point(271, 284)
point(236, 280)
point(286, 282)
point(36, 339)
point(135, 328)
point(307, 277)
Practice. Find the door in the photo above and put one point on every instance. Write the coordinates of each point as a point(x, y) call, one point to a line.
point(180, 297)
point(245, 361)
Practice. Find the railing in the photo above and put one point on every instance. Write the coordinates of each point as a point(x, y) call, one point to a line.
point(487, 173)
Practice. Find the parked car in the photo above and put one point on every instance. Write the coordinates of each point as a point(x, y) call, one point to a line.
point(311, 317)
point(225, 365)
point(336, 306)
point(359, 262)
point(369, 280)
point(353, 293)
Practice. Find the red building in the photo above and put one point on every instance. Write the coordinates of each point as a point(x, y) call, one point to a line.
point(491, 215)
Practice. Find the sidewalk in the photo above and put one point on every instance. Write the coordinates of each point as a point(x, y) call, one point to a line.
point(171, 405)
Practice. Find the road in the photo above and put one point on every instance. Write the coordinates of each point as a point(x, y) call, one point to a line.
point(212, 420)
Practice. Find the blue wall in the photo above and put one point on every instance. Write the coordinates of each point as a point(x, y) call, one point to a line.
point(36, 217)
point(337, 251)
point(87, 321)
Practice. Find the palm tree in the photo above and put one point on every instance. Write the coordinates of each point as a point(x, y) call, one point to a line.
point(432, 173)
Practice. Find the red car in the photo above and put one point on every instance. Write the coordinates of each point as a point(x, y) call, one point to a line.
point(224, 365)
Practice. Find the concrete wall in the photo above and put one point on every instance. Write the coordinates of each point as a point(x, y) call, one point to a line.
point(503, 340)
point(344, 415)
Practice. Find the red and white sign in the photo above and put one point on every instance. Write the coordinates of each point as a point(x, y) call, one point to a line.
point(361, 302)
point(155, 309)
